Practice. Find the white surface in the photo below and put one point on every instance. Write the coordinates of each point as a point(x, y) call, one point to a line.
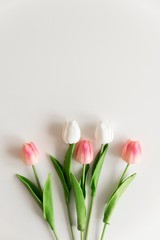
point(83, 60)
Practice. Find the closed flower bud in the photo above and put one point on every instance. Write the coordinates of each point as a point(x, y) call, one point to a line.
point(71, 132)
point(104, 132)
point(84, 152)
point(131, 152)
point(30, 153)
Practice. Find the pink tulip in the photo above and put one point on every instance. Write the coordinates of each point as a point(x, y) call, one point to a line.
point(131, 152)
point(30, 153)
point(84, 152)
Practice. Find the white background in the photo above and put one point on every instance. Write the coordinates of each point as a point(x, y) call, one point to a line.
point(86, 60)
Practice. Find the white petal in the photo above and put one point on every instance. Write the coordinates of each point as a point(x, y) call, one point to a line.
point(104, 132)
point(64, 132)
point(71, 132)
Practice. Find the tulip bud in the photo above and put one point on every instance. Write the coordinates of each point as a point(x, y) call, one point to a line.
point(71, 132)
point(30, 153)
point(131, 152)
point(104, 132)
point(84, 152)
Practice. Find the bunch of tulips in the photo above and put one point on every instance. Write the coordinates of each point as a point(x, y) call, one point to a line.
point(82, 151)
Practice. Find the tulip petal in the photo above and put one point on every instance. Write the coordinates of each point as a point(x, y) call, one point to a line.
point(84, 152)
point(71, 132)
point(30, 153)
point(131, 152)
point(104, 132)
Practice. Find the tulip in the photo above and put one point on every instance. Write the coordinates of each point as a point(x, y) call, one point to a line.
point(71, 132)
point(104, 135)
point(71, 135)
point(84, 152)
point(30, 153)
point(104, 132)
point(131, 152)
point(31, 157)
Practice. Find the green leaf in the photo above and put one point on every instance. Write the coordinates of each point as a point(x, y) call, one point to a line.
point(80, 203)
point(68, 163)
point(35, 192)
point(97, 168)
point(96, 161)
point(48, 202)
point(83, 180)
point(112, 202)
point(60, 171)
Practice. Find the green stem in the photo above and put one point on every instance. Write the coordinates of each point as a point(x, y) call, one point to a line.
point(103, 232)
point(89, 217)
point(91, 206)
point(83, 174)
point(37, 179)
point(70, 221)
point(81, 235)
point(55, 234)
point(123, 175)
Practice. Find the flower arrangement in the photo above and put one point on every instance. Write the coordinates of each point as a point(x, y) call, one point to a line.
point(82, 151)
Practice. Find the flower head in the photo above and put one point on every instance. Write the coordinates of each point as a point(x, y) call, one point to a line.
point(30, 153)
point(84, 152)
point(104, 132)
point(71, 132)
point(131, 152)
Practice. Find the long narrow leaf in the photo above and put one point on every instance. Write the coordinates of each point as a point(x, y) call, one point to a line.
point(114, 199)
point(60, 171)
point(83, 184)
point(96, 161)
point(36, 194)
point(48, 202)
point(68, 163)
point(97, 169)
point(80, 204)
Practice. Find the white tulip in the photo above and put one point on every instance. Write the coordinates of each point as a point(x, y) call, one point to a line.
point(71, 132)
point(104, 132)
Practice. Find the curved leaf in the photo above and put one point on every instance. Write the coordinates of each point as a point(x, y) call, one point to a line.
point(48, 202)
point(95, 161)
point(35, 192)
point(97, 168)
point(112, 202)
point(60, 171)
point(80, 203)
point(83, 180)
point(68, 163)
